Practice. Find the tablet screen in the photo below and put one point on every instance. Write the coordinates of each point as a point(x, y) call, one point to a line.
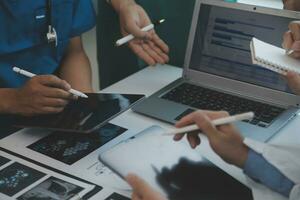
point(83, 115)
point(172, 168)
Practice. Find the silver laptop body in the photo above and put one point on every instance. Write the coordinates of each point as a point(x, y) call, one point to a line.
point(218, 59)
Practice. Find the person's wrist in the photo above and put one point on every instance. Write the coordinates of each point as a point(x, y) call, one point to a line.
point(241, 161)
point(118, 5)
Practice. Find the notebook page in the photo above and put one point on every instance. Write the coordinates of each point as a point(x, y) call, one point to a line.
point(273, 56)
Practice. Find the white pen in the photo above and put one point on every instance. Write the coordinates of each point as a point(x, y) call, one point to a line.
point(30, 75)
point(217, 122)
point(289, 52)
point(130, 37)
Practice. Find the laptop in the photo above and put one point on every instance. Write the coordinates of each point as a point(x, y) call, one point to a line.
point(218, 72)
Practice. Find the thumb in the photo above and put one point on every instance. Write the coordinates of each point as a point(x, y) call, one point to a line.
point(139, 186)
point(296, 46)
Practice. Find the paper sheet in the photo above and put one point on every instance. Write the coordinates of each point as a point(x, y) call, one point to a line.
point(76, 156)
point(22, 180)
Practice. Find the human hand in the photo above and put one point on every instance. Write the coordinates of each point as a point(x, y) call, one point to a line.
point(291, 39)
point(293, 80)
point(225, 140)
point(146, 45)
point(141, 189)
point(46, 94)
point(291, 5)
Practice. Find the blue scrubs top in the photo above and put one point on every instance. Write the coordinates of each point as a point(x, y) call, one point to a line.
point(23, 31)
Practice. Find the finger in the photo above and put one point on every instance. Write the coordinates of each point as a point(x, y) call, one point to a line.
point(190, 119)
point(228, 128)
point(152, 53)
point(178, 137)
point(160, 43)
point(163, 55)
point(287, 40)
point(138, 50)
point(296, 46)
point(51, 110)
point(54, 102)
point(205, 124)
point(133, 28)
point(135, 197)
point(295, 29)
point(57, 93)
point(54, 81)
point(193, 139)
point(296, 54)
point(293, 79)
point(186, 120)
point(138, 185)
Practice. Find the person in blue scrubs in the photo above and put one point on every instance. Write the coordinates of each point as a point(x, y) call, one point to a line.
point(23, 43)
point(60, 63)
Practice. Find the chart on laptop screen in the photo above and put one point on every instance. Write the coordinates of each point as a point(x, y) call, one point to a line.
point(223, 38)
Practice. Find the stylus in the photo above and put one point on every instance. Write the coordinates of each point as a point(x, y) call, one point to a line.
point(217, 122)
point(130, 37)
point(30, 75)
point(289, 52)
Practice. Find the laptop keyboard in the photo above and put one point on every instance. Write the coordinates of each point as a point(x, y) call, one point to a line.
point(207, 99)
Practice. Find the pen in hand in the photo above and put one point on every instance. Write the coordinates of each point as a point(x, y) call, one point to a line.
point(217, 122)
point(30, 75)
point(130, 37)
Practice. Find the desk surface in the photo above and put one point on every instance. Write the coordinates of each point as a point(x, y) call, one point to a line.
point(151, 80)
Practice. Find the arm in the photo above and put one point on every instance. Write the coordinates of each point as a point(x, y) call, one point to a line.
point(260, 170)
point(227, 142)
point(75, 67)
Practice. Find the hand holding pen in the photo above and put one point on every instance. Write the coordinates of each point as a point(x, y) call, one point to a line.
point(42, 94)
point(146, 44)
point(291, 40)
point(225, 140)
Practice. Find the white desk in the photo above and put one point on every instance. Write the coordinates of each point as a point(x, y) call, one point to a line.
point(151, 80)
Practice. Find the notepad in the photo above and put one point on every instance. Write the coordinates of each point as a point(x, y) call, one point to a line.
point(272, 57)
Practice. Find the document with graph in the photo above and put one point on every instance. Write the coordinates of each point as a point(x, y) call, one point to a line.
point(272, 57)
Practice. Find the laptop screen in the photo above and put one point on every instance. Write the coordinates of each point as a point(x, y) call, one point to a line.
point(222, 44)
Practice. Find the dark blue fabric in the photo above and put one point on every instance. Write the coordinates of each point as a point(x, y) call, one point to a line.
point(260, 170)
point(23, 35)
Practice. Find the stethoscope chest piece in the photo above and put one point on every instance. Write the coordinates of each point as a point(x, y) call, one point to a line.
point(52, 35)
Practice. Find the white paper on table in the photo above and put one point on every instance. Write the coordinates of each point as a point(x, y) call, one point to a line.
point(49, 175)
point(88, 168)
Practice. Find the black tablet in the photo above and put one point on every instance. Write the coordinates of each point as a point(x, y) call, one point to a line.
point(82, 115)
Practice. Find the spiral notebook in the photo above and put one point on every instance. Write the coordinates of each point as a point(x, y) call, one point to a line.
point(272, 57)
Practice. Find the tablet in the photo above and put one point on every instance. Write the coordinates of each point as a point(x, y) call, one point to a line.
point(82, 115)
point(172, 168)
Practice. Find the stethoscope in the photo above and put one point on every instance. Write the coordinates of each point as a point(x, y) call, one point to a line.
point(51, 34)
